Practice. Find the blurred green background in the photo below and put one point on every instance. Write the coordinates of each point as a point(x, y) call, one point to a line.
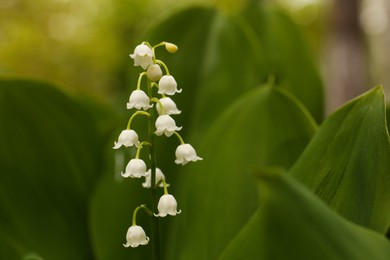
point(258, 77)
point(83, 46)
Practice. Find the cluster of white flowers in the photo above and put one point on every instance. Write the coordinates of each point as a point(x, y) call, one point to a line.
point(144, 56)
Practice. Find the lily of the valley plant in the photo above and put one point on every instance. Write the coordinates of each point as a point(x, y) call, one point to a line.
point(154, 96)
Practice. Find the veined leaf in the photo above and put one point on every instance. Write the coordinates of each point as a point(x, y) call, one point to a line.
point(347, 162)
point(266, 126)
point(292, 223)
point(287, 56)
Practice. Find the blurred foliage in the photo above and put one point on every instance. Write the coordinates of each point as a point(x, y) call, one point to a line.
point(252, 99)
point(82, 45)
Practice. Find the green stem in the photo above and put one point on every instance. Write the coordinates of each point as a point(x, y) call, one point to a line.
point(139, 80)
point(179, 137)
point(134, 223)
point(159, 103)
point(140, 147)
point(134, 115)
point(165, 186)
point(155, 221)
point(154, 47)
point(165, 66)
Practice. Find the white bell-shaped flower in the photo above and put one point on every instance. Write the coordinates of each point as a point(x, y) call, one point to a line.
point(136, 236)
point(167, 85)
point(168, 105)
point(154, 72)
point(167, 205)
point(166, 125)
point(143, 56)
point(127, 138)
point(139, 100)
point(186, 153)
point(159, 177)
point(136, 168)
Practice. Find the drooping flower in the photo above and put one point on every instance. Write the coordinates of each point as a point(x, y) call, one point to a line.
point(136, 168)
point(127, 138)
point(159, 177)
point(154, 72)
point(165, 124)
point(136, 236)
point(167, 205)
point(167, 85)
point(169, 106)
point(186, 153)
point(139, 100)
point(143, 56)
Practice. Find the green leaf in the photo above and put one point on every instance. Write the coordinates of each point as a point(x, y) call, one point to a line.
point(347, 162)
point(388, 117)
point(292, 223)
point(111, 215)
point(216, 62)
point(49, 161)
point(266, 126)
point(287, 56)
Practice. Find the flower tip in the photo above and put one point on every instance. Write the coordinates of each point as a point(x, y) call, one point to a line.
point(116, 145)
point(124, 175)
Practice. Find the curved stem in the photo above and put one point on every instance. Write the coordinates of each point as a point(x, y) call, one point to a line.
point(140, 147)
point(160, 104)
point(179, 137)
point(134, 222)
point(154, 47)
point(165, 66)
point(134, 115)
point(139, 80)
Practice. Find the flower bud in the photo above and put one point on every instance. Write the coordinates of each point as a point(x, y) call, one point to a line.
point(154, 72)
point(170, 47)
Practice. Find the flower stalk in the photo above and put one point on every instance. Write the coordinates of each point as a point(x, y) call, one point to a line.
point(160, 123)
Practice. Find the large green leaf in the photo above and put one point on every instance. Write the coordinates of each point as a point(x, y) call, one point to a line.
point(49, 160)
point(264, 127)
point(292, 223)
point(287, 56)
point(216, 63)
point(347, 162)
